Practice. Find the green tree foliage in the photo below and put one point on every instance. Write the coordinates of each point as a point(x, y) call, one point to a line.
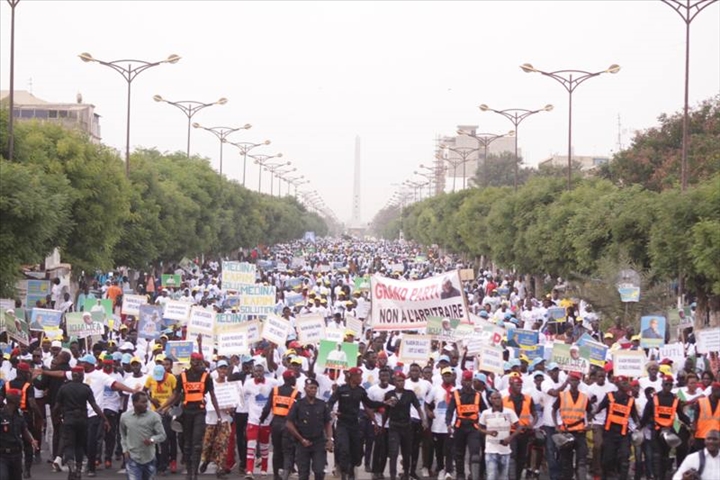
point(499, 171)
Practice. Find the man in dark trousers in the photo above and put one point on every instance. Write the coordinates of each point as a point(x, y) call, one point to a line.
point(575, 414)
point(52, 386)
point(466, 402)
point(13, 434)
point(279, 402)
point(193, 383)
point(241, 417)
point(71, 404)
point(620, 407)
point(309, 422)
point(400, 434)
point(347, 432)
point(524, 407)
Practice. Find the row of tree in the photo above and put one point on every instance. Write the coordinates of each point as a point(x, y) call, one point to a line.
point(64, 191)
point(633, 210)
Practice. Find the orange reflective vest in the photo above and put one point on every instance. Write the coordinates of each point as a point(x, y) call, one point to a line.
point(281, 405)
point(618, 414)
point(664, 416)
point(467, 411)
point(572, 412)
point(525, 418)
point(194, 391)
point(707, 419)
point(23, 395)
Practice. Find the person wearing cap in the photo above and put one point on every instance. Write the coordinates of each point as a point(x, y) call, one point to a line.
point(347, 434)
point(281, 399)
point(706, 416)
point(575, 412)
point(159, 386)
point(192, 384)
point(615, 409)
point(499, 424)
point(71, 404)
point(141, 430)
point(257, 392)
point(467, 403)
point(28, 407)
point(14, 434)
point(523, 406)
point(310, 423)
point(653, 378)
point(112, 402)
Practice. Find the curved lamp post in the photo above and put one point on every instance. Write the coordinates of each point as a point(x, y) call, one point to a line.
point(189, 108)
point(222, 133)
point(245, 148)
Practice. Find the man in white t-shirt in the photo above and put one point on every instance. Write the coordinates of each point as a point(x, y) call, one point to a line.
point(596, 392)
point(551, 388)
point(496, 423)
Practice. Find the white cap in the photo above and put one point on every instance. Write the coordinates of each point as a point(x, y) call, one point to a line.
point(56, 343)
point(127, 346)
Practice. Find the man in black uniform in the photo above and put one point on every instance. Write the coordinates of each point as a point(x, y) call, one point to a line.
point(347, 431)
point(279, 402)
point(466, 402)
point(13, 431)
point(400, 433)
point(309, 422)
point(52, 386)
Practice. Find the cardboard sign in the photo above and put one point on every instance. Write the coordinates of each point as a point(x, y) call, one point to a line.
point(253, 331)
point(354, 324)
point(519, 338)
point(201, 321)
point(179, 350)
point(237, 274)
point(556, 314)
point(403, 305)
point(415, 349)
point(571, 358)
point(708, 340)
point(232, 343)
point(101, 309)
point(488, 332)
point(334, 334)
point(44, 319)
point(281, 267)
point(336, 355)
point(227, 396)
point(177, 311)
point(131, 304)
point(597, 351)
point(170, 280)
point(652, 331)
point(629, 363)
point(150, 322)
point(628, 292)
point(82, 324)
point(362, 284)
point(447, 329)
point(310, 329)
point(467, 274)
point(675, 352)
point(297, 263)
point(490, 359)
point(275, 329)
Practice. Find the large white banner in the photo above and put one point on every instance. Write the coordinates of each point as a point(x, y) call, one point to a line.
point(401, 305)
point(256, 300)
point(237, 274)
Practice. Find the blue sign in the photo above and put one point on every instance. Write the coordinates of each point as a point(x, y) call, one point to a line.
point(522, 338)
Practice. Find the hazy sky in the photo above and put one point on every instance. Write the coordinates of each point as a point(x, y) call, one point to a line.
point(312, 75)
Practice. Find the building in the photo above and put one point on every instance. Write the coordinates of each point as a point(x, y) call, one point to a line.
point(586, 163)
point(77, 115)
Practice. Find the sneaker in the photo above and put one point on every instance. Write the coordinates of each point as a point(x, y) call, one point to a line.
point(26, 473)
point(449, 476)
point(441, 475)
point(424, 472)
point(173, 466)
point(91, 474)
point(249, 476)
point(122, 471)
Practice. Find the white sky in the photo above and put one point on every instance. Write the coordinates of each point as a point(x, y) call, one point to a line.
point(312, 75)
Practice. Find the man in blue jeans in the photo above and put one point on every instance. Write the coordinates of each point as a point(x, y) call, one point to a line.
point(496, 423)
point(140, 431)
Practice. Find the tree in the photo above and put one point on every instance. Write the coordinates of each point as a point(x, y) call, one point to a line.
point(499, 171)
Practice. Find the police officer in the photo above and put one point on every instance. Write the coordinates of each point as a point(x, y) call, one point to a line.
point(524, 407)
point(193, 383)
point(620, 407)
point(575, 413)
point(309, 422)
point(13, 431)
point(466, 402)
point(279, 402)
point(347, 432)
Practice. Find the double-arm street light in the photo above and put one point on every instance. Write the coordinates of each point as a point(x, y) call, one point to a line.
point(272, 168)
point(688, 10)
point(222, 133)
point(290, 181)
point(416, 186)
point(484, 140)
point(464, 153)
point(570, 80)
point(296, 183)
point(129, 73)
point(279, 174)
point(516, 116)
point(429, 177)
point(245, 148)
point(261, 160)
point(189, 108)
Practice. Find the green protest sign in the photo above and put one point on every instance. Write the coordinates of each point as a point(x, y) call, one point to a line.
point(171, 280)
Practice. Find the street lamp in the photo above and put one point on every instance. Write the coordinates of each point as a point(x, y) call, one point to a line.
point(279, 173)
point(189, 108)
point(133, 69)
point(291, 181)
point(296, 184)
point(464, 153)
point(429, 178)
point(516, 116)
point(11, 95)
point(688, 10)
point(260, 160)
point(570, 80)
point(484, 140)
point(245, 148)
point(222, 133)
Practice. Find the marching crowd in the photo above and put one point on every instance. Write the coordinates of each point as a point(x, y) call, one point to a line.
point(123, 401)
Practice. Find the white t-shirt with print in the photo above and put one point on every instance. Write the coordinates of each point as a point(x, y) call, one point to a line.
point(501, 423)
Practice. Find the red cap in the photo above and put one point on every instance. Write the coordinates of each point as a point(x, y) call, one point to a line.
point(196, 356)
point(715, 384)
point(23, 367)
point(108, 361)
point(516, 379)
point(295, 344)
point(13, 391)
point(668, 378)
point(78, 369)
point(467, 375)
point(635, 383)
point(400, 375)
point(666, 361)
point(288, 374)
point(577, 375)
point(608, 367)
point(355, 371)
point(621, 378)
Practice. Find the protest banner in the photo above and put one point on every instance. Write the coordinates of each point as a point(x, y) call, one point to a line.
point(179, 350)
point(533, 352)
point(402, 305)
point(16, 328)
point(490, 333)
point(325, 268)
point(207, 343)
point(44, 319)
point(150, 322)
point(256, 300)
point(297, 263)
point(253, 330)
point(628, 292)
point(708, 340)
point(228, 322)
point(131, 304)
point(83, 324)
point(294, 299)
point(265, 265)
point(362, 284)
point(7, 303)
point(237, 274)
point(334, 334)
point(519, 338)
point(170, 280)
point(336, 355)
point(556, 314)
point(415, 349)
point(311, 329)
point(355, 325)
point(201, 321)
point(275, 329)
point(101, 309)
point(281, 267)
point(597, 351)
point(571, 358)
point(232, 343)
point(187, 264)
point(490, 359)
point(177, 311)
point(629, 363)
point(309, 236)
point(397, 267)
point(227, 396)
point(467, 274)
point(448, 329)
point(35, 290)
point(652, 331)
point(675, 352)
